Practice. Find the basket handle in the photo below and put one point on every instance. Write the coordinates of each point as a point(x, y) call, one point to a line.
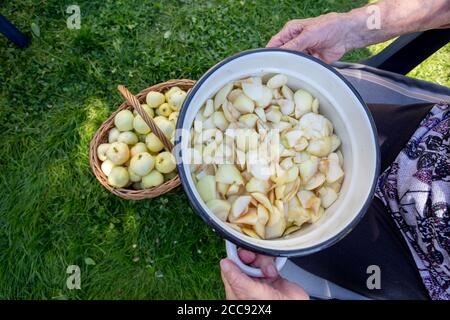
point(134, 102)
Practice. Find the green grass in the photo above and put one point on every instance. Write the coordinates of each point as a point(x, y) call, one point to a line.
point(55, 94)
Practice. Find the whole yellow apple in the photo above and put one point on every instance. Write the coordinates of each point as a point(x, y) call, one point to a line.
point(133, 176)
point(113, 135)
point(176, 99)
point(166, 126)
point(153, 143)
point(101, 151)
point(118, 153)
point(142, 163)
point(138, 148)
point(140, 126)
point(128, 137)
point(164, 110)
point(153, 179)
point(107, 166)
point(124, 120)
point(118, 177)
point(154, 99)
point(165, 162)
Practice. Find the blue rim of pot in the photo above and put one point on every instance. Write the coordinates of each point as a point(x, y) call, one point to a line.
point(194, 202)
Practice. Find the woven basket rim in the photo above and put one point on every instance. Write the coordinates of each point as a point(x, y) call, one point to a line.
point(101, 136)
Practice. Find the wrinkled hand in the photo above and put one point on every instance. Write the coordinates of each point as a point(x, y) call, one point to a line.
point(239, 286)
point(327, 37)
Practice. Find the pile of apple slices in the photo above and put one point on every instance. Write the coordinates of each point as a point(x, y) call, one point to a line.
point(134, 156)
point(263, 159)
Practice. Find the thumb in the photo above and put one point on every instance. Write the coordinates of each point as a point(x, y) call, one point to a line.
point(241, 284)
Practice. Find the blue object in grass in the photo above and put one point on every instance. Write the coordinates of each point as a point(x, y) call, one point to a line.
point(13, 34)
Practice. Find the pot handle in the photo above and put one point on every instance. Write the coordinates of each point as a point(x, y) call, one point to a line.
point(251, 271)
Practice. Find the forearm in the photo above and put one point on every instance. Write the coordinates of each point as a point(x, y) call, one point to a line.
point(397, 17)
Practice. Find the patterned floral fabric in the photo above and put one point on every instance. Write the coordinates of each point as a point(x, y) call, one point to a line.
point(416, 191)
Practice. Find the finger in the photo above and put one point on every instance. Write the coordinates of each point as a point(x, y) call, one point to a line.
point(239, 283)
point(247, 256)
point(265, 263)
point(229, 293)
point(299, 43)
point(289, 31)
point(267, 266)
point(316, 55)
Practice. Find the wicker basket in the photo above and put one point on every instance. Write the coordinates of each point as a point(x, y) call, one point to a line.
point(101, 136)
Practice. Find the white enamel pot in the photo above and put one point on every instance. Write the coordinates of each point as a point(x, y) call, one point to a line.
point(353, 123)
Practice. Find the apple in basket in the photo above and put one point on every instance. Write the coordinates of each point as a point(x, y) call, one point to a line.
point(134, 156)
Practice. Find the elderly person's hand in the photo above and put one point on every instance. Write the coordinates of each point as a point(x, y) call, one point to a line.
point(330, 36)
point(326, 37)
point(239, 286)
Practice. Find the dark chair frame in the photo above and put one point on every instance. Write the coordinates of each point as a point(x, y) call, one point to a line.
point(13, 34)
point(408, 51)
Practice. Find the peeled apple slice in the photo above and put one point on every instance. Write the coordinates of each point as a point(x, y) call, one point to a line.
point(222, 188)
point(261, 114)
point(219, 120)
point(240, 206)
point(315, 181)
point(287, 93)
point(249, 120)
point(229, 174)
point(220, 208)
point(286, 106)
point(234, 94)
point(253, 90)
point(334, 170)
point(250, 233)
point(335, 142)
point(290, 230)
point(307, 198)
point(265, 99)
point(250, 218)
point(274, 115)
point(327, 196)
point(260, 230)
point(315, 106)
point(263, 214)
point(209, 108)
point(244, 104)
point(257, 185)
point(319, 147)
point(262, 199)
point(316, 215)
point(293, 136)
point(206, 187)
point(303, 102)
point(221, 95)
point(308, 168)
point(276, 224)
point(233, 189)
point(315, 125)
point(296, 213)
point(277, 81)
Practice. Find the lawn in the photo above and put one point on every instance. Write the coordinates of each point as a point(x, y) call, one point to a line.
point(55, 94)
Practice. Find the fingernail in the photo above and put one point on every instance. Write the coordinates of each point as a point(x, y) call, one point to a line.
point(271, 271)
point(225, 265)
